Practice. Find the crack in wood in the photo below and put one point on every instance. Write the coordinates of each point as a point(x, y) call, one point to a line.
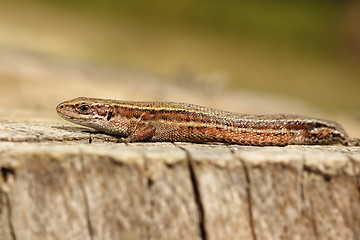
point(86, 200)
point(7, 174)
point(356, 171)
point(313, 220)
point(198, 199)
point(197, 195)
point(302, 191)
point(311, 214)
point(9, 217)
point(308, 170)
point(325, 176)
point(249, 198)
point(248, 193)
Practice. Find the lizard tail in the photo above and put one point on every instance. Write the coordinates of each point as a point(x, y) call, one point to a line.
point(354, 142)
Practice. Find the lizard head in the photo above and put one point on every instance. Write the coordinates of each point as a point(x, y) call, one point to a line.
point(89, 112)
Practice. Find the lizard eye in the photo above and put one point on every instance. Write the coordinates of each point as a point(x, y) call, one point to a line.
point(84, 108)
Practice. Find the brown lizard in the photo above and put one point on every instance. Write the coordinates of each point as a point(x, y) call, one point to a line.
point(168, 121)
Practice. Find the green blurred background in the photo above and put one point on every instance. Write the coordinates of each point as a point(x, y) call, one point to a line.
point(307, 50)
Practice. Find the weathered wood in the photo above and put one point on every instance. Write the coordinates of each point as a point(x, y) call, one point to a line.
point(56, 185)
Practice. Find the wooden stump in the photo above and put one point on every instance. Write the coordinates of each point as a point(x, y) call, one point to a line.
point(70, 183)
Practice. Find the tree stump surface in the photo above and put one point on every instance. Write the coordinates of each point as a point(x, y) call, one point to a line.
point(59, 181)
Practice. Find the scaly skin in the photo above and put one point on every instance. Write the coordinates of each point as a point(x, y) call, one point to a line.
point(167, 121)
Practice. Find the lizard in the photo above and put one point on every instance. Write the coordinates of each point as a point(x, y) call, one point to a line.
point(181, 122)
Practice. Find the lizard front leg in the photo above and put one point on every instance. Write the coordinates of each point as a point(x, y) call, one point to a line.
point(141, 131)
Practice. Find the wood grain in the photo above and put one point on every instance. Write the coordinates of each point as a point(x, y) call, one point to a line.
point(55, 189)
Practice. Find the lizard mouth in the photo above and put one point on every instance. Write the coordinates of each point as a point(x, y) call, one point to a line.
point(67, 112)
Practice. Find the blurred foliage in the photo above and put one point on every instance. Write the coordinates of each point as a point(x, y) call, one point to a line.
point(301, 49)
point(302, 25)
